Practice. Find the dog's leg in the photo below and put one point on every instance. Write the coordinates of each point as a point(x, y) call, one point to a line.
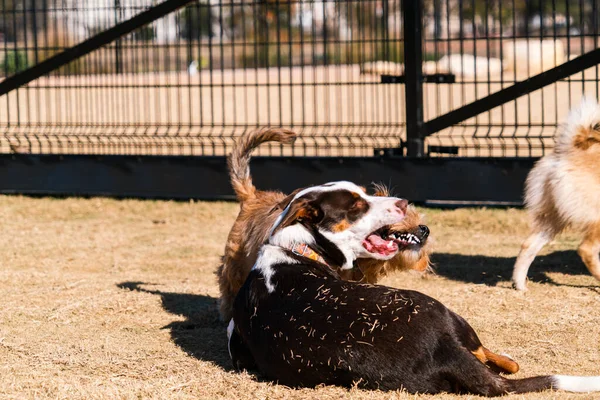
point(532, 245)
point(589, 249)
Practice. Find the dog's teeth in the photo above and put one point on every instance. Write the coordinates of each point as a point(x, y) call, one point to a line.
point(405, 237)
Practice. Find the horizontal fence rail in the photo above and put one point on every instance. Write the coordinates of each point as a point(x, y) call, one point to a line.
point(429, 181)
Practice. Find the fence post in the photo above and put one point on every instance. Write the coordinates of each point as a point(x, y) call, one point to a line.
point(413, 73)
point(118, 47)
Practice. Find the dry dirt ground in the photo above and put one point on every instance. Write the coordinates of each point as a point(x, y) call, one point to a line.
point(112, 299)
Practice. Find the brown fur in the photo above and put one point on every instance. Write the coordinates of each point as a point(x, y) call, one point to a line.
point(239, 159)
point(586, 137)
point(258, 211)
point(503, 363)
point(498, 362)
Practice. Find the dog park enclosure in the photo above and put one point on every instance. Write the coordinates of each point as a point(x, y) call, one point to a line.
point(449, 100)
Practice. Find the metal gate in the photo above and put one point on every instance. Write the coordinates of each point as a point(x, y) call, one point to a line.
point(495, 78)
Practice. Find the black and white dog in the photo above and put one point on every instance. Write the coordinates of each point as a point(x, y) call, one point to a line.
point(299, 324)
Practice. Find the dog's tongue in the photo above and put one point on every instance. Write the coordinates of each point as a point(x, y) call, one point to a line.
point(376, 244)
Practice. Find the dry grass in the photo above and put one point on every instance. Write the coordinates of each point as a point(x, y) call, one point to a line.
point(117, 299)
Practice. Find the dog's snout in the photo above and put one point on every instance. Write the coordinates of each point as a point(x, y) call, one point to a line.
point(424, 229)
point(402, 204)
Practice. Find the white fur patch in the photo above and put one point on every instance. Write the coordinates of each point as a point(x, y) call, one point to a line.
point(537, 180)
point(585, 115)
point(571, 190)
point(230, 328)
point(580, 384)
point(531, 247)
point(268, 256)
point(291, 235)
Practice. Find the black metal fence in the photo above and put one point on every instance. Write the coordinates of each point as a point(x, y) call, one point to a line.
point(493, 45)
point(192, 80)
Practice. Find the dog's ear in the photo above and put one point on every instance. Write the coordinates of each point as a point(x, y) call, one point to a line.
point(300, 211)
point(286, 202)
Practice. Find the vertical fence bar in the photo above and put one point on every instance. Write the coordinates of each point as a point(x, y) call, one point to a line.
point(385, 31)
point(413, 72)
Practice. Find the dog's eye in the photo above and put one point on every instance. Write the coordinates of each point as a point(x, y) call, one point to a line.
point(596, 127)
point(358, 204)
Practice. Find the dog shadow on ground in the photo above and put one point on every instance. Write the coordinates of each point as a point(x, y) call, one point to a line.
point(492, 270)
point(202, 334)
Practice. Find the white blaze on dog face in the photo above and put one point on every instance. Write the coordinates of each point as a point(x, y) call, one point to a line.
point(346, 216)
point(369, 236)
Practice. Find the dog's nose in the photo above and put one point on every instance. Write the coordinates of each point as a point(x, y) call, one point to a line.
point(424, 231)
point(402, 204)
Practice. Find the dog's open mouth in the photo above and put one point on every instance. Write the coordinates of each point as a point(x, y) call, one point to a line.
point(381, 242)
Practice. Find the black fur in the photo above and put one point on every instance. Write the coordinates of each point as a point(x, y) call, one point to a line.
point(318, 329)
point(327, 249)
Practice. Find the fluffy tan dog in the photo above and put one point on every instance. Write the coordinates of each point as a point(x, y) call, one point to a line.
point(259, 209)
point(563, 189)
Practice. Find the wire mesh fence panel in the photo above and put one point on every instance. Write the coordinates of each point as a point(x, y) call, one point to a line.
point(491, 45)
point(194, 79)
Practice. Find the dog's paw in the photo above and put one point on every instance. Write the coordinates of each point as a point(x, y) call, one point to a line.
point(520, 286)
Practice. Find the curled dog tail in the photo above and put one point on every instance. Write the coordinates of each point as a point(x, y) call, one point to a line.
point(578, 384)
point(239, 160)
point(582, 127)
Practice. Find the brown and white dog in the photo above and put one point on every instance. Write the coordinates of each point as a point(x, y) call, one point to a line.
point(299, 323)
point(563, 189)
point(259, 209)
